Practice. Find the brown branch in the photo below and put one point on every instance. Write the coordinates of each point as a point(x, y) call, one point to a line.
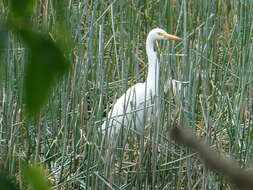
point(242, 179)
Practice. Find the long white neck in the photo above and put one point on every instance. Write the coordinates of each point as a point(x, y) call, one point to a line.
point(153, 68)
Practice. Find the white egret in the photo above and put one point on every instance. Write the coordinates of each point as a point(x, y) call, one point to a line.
point(130, 107)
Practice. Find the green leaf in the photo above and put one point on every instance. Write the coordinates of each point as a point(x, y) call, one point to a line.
point(45, 64)
point(6, 184)
point(3, 44)
point(22, 8)
point(35, 178)
point(61, 28)
point(3, 37)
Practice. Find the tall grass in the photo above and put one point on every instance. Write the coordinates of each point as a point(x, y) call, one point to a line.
point(215, 58)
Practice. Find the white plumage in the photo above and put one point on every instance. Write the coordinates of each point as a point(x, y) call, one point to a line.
point(129, 109)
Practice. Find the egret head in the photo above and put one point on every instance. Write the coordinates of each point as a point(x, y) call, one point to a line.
point(160, 34)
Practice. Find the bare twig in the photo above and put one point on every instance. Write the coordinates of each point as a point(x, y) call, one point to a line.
point(242, 179)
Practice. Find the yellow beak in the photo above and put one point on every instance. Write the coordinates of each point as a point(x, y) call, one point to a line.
point(169, 36)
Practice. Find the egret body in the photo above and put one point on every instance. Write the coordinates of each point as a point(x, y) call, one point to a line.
point(129, 109)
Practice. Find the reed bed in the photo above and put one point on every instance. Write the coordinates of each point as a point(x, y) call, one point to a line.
point(214, 59)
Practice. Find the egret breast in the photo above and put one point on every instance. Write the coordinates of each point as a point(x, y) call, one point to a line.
point(131, 110)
